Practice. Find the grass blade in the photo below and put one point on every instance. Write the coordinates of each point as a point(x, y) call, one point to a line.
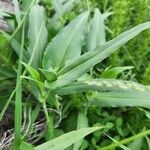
point(18, 98)
point(67, 139)
point(17, 11)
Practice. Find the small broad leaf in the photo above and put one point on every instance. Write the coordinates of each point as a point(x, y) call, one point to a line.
point(78, 66)
point(32, 71)
point(114, 72)
point(37, 34)
point(67, 44)
point(64, 141)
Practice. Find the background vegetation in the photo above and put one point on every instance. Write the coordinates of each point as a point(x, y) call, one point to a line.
point(131, 62)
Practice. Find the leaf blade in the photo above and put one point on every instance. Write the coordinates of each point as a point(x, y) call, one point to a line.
point(37, 34)
point(69, 39)
point(66, 140)
point(77, 67)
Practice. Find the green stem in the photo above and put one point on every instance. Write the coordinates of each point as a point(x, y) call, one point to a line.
point(125, 141)
point(23, 74)
point(18, 98)
point(49, 120)
point(22, 21)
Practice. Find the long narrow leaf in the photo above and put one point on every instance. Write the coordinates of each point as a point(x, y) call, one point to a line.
point(77, 67)
point(17, 11)
point(36, 27)
point(96, 34)
point(18, 97)
point(120, 99)
point(102, 85)
point(112, 93)
point(82, 122)
point(66, 140)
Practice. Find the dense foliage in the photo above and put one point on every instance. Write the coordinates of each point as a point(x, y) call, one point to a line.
point(70, 68)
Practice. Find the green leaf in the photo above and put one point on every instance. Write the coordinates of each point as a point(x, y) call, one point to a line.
point(26, 146)
point(112, 93)
point(78, 66)
point(68, 5)
point(120, 99)
point(96, 34)
point(114, 72)
point(40, 84)
point(16, 46)
point(125, 141)
point(50, 74)
point(17, 11)
point(136, 144)
point(63, 7)
point(148, 141)
point(67, 44)
point(66, 140)
point(6, 52)
point(122, 146)
point(32, 71)
point(6, 73)
point(57, 4)
point(37, 34)
point(82, 122)
point(102, 85)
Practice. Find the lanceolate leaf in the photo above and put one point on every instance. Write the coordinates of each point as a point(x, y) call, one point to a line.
point(66, 140)
point(104, 85)
point(82, 122)
point(37, 34)
point(112, 93)
point(76, 67)
point(32, 71)
point(120, 99)
point(114, 72)
point(57, 4)
point(96, 35)
point(67, 44)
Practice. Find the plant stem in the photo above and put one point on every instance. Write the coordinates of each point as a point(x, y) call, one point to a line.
point(18, 98)
point(48, 119)
point(125, 141)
